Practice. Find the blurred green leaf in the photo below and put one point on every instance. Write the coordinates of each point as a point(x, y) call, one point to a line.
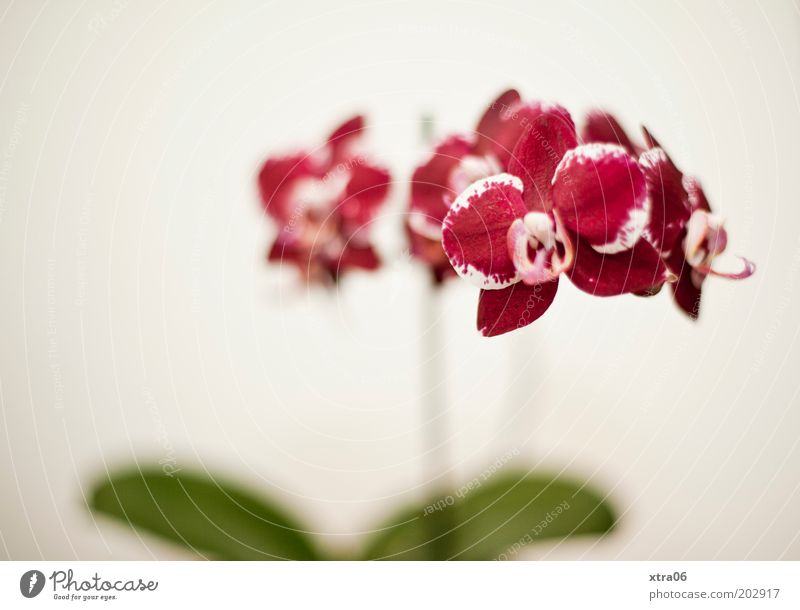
point(203, 513)
point(494, 519)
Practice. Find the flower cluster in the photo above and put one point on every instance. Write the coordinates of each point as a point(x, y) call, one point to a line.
point(512, 207)
point(613, 217)
point(324, 201)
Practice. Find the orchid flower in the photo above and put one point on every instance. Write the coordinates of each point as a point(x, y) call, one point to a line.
point(323, 202)
point(456, 162)
point(559, 208)
point(682, 227)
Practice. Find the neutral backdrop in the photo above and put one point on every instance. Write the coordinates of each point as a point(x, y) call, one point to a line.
point(139, 322)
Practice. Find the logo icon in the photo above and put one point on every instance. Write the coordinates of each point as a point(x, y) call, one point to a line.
point(31, 583)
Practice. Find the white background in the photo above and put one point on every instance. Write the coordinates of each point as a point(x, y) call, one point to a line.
point(138, 320)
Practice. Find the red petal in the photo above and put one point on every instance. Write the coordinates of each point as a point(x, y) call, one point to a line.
point(601, 194)
point(474, 231)
point(430, 188)
point(604, 128)
point(548, 135)
point(430, 252)
point(276, 179)
point(288, 252)
point(492, 132)
point(365, 193)
point(501, 311)
point(650, 139)
point(358, 257)
point(697, 198)
point(370, 183)
point(636, 270)
point(669, 202)
point(343, 136)
point(687, 295)
point(748, 269)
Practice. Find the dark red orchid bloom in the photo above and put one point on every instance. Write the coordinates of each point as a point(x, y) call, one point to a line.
point(560, 208)
point(323, 202)
point(456, 162)
point(682, 227)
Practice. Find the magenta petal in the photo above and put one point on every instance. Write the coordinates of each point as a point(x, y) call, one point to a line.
point(492, 133)
point(601, 194)
point(636, 270)
point(474, 231)
point(276, 179)
point(430, 252)
point(669, 202)
point(370, 183)
point(603, 128)
point(364, 194)
point(343, 136)
point(287, 251)
point(294, 254)
point(697, 197)
point(547, 136)
point(430, 185)
point(649, 139)
point(687, 288)
point(358, 257)
point(501, 311)
point(748, 269)
point(687, 294)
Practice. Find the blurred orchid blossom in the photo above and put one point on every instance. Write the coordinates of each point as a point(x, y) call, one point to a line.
point(323, 202)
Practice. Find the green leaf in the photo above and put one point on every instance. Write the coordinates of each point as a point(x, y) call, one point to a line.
point(493, 519)
point(209, 516)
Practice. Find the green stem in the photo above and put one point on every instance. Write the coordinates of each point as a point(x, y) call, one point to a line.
point(434, 414)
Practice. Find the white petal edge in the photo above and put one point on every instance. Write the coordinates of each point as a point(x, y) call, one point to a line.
point(476, 189)
point(630, 232)
point(592, 152)
point(479, 187)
